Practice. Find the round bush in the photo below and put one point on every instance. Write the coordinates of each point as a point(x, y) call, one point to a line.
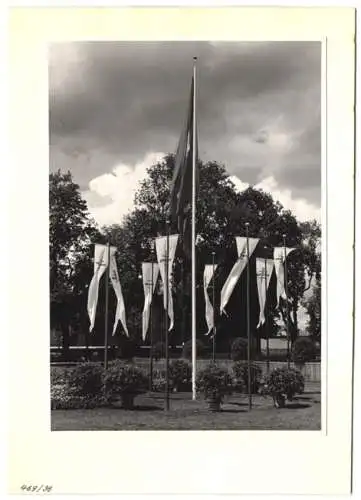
point(124, 378)
point(240, 377)
point(86, 379)
point(283, 383)
point(214, 382)
point(303, 350)
point(180, 374)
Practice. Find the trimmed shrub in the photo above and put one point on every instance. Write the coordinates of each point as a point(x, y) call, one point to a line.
point(214, 382)
point(64, 398)
point(282, 384)
point(59, 375)
point(180, 375)
point(86, 379)
point(240, 377)
point(202, 349)
point(124, 378)
point(303, 350)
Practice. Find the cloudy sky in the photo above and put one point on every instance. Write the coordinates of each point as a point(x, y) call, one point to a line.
point(117, 107)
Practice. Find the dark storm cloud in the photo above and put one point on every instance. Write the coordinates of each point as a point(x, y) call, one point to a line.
point(113, 102)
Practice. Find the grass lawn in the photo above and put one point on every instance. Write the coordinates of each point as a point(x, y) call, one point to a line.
point(304, 413)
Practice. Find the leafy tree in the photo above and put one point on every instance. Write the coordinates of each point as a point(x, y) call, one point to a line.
point(71, 234)
point(222, 213)
point(313, 307)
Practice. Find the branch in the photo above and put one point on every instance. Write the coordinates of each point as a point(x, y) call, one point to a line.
point(309, 284)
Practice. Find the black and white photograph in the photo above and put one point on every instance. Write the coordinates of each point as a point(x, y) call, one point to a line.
point(181, 251)
point(185, 235)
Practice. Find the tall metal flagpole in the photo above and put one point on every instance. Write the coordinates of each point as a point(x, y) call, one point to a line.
point(248, 325)
point(194, 353)
point(151, 330)
point(214, 309)
point(106, 309)
point(166, 291)
point(265, 316)
point(287, 308)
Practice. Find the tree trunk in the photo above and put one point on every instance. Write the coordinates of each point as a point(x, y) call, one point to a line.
point(294, 322)
point(65, 341)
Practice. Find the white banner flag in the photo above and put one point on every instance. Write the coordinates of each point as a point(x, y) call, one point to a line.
point(161, 250)
point(264, 268)
point(207, 276)
point(149, 285)
point(120, 310)
point(238, 267)
point(100, 265)
point(279, 258)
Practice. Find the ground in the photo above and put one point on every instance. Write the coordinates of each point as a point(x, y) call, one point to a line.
point(304, 413)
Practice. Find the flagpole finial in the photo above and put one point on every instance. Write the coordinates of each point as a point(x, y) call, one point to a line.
point(195, 58)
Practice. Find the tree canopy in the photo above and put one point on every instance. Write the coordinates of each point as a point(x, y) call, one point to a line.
point(222, 213)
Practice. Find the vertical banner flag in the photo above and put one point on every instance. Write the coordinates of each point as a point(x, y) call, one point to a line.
point(100, 265)
point(264, 268)
point(237, 269)
point(207, 276)
point(181, 187)
point(279, 259)
point(161, 250)
point(148, 281)
point(120, 310)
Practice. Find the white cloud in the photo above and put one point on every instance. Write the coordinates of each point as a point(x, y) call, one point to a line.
point(119, 188)
point(300, 207)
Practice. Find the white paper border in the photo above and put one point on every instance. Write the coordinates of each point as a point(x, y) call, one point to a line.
point(145, 462)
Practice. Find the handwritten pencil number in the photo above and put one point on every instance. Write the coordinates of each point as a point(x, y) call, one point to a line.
point(36, 488)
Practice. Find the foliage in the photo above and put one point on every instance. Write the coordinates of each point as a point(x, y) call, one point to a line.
point(303, 350)
point(222, 212)
point(58, 376)
point(127, 348)
point(240, 377)
point(71, 235)
point(86, 379)
point(158, 350)
point(201, 349)
point(285, 382)
point(64, 398)
point(159, 381)
point(239, 349)
point(180, 374)
point(313, 308)
point(123, 378)
point(214, 382)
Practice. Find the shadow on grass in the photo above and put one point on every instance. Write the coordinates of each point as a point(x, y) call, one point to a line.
point(137, 408)
point(303, 398)
point(296, 406)
point(231, 410)
point(237, 404)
